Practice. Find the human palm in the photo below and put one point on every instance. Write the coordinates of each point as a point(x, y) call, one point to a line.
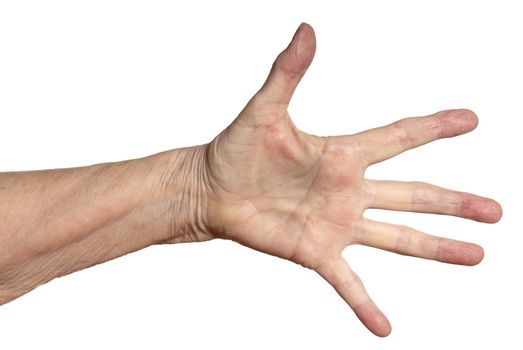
point(301, 197)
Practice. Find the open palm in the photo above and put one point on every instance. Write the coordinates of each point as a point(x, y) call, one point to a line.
point(301, 197)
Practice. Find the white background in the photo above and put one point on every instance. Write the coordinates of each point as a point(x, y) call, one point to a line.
point(84, 82)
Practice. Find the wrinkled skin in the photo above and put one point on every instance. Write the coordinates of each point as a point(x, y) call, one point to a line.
point(261, 182)
point(274, 188)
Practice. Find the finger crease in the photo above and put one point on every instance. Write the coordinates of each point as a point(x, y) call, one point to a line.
point(403, 240)
point(402, 136)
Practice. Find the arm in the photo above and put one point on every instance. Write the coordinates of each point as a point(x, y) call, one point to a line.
point(55, 222)
point(261, 182)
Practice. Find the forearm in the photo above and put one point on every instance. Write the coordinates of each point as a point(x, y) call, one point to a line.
point(55, 222)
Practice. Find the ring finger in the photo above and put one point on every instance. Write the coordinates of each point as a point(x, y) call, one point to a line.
point(407, 241)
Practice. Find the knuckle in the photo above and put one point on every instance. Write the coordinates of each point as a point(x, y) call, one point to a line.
point(354, 149)
point(403, 239)
point(436, 126)
point(349, 282)
point(438, 248)
point(419, 196)
point(402, 136)
point(450, 203)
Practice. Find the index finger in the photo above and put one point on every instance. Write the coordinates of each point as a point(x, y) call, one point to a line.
point(388, 141)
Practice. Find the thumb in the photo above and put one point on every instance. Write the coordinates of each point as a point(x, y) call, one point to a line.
point(289, 67)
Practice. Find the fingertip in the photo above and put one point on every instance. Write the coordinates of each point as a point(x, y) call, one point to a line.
point(306, 33)
point(466, 117)
point(482, 209)
point(457, 121)
point(289, 67)
point(494, 212)
point(306, 27)
point(475, 255)
point(469, 117)
point(375, 321)
point(382, 327)
point(295, 60)
point(460, 253)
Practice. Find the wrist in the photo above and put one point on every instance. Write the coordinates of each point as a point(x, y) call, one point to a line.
point(182, 184)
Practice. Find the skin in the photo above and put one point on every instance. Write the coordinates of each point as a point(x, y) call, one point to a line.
point(261, 182)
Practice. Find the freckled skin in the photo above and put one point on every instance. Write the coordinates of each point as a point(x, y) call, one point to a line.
point(261, 182)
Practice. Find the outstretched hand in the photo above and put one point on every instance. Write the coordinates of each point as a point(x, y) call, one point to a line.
point(274, 188)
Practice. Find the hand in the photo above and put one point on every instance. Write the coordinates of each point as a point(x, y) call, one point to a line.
point(276, 189)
